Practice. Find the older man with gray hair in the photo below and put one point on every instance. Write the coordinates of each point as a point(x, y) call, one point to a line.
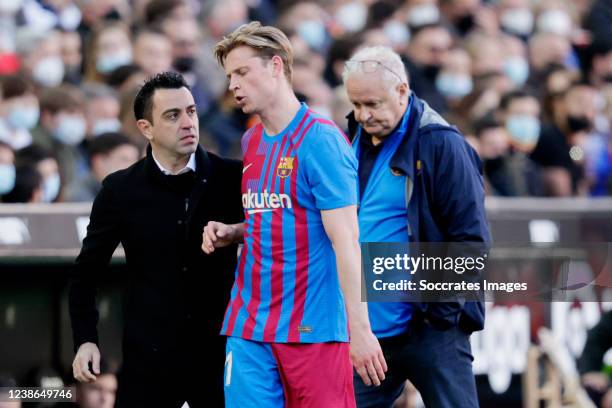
point(419, 181)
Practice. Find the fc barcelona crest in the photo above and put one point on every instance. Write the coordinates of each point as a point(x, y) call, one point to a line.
point(285, 166)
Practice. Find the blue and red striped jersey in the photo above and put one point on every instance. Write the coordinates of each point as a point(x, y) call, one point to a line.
point(287, 288)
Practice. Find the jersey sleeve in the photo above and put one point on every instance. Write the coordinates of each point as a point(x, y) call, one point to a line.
point(330, 168)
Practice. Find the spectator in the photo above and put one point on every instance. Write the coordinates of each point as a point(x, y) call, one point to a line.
point(560, 151)
point(108, 153)
point(460, 14)
point(109, 47)
point(47, 167)
point(28, 186)
point(101, 110)
point(427, 53)
point(152, 51)
point(72, 57)
point(41, 56)
point(516, 17)
point(19, 111)
point(62, 129)
point(159, 12)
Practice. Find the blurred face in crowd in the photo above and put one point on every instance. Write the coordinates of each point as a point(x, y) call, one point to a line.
point(548, 48)
point(580, 108)
point(68, 126)
point(113, 49)
point(515, 64)
point(174, 130)
point(185, 37)
point(429, 47)
point(117, 159)
point(253, 80)
point(51, 185)
point(516, 17)
point(455, 79)
point(378, 104)
point(153, 52)
point(71, 50)
point(493, 143)
point(523, 123)
point(102, 115)
point(99, 394)
point(20, 112)
point(487, 56)
point(421, 12)
point(45, 61)
point(602, 68)
point(226, 16)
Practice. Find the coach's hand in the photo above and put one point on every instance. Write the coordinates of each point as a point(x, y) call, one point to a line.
point(87, 353)
point(217, 235)
point(367, 356)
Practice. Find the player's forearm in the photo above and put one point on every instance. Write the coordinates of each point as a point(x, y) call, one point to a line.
point(238, 232)
point(348, 256)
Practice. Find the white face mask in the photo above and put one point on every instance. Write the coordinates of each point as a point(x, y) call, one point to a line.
point(10, 7)
point(397, 33)
point(352, 16)
point(555, 21)
point(49, 71)
point(517, 69)
point(70, 130)
point(51, 187)
point(423, 14)
point(23, 117)
point(101, 126)
point(517, 21)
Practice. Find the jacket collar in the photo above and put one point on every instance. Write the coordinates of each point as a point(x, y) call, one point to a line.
point(402, 160)
point(203, 167)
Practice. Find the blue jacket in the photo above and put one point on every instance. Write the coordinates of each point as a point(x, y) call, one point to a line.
point(445, 198)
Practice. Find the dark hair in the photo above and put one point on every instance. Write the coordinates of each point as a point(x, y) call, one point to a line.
point(158, 10)
point(485, 123)
point(510, 96)
point(13, 86)
point(118, 76)
point(27, 180)
point(63, 97)
point(33, 154)
point(143, 103)
point(107, 142)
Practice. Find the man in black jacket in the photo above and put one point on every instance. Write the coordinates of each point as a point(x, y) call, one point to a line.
point(157, 209)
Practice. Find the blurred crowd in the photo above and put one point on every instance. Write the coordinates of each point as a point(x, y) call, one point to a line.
point(528, 82)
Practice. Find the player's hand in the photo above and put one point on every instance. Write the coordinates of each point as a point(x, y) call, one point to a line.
point(217, 235)
point(87, 353)
point(367, 356)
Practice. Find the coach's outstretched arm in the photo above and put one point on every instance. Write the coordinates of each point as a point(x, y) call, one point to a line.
point(343, 231)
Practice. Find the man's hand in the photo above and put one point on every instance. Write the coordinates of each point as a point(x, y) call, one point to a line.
point(596, 380)
point(367, 356)
point(218, 235)
point(87, 352)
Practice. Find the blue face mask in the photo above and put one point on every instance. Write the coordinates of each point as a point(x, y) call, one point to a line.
point(454, 85)
point(524, 130)
point(7, 178)
point(51, 187)
point(102, 126)
point(517, 69)
point(71, 130)
point(313, 32)
point(23, 117)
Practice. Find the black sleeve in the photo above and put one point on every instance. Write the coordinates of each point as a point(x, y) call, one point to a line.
point(599, 341)
point(98, 247)
point(234, 188)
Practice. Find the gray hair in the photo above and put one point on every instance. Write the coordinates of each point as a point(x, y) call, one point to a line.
point(393, 67)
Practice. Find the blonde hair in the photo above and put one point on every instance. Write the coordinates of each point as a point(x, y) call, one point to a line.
point(267, 41)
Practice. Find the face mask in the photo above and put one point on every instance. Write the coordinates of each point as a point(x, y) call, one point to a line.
point(397, 33)
point(108, 63)
point(184, 64)
point(454, 85)
point(10, 6)
point(313, 32)
point(105, 126)
point(7, 178)
point(523, 129)
point(555, 21)
point(70, 131)
point(517, 69)
point(578, 123)
point(423, 15)
point(352, 16)
point(23, 117)
point(49, 71)
point(517, 21)
point(51, 187)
